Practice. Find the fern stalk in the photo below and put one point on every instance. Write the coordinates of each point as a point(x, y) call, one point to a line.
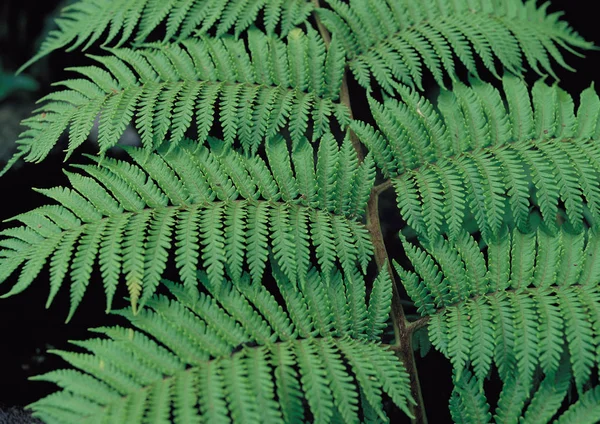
point(402, 330)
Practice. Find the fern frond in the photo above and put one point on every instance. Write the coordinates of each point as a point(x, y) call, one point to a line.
point(83, 23)
point(395, 41)
point(166, 90)
point(446, 172)
point(243, 189)
point(181, 363)
point(534, 322)
point(517, 403)
point(221, 211)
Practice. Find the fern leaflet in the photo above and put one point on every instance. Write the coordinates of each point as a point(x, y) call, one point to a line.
point(190, 368)
point(221, 210)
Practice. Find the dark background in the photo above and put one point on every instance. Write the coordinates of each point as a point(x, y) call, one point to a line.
point(27, 329)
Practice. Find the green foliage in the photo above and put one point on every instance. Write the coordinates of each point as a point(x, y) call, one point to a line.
point(220, 208)
point(164, 88)
point(535, 299)
point(301, 346)
point(395, 40)
point(477, 159)
point(468, 404)
point(85, 21)
point(10, 83)
point(256, 188)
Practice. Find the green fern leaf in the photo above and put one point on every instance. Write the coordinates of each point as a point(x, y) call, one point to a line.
point(579, 336)
point(534, 324)
point(423, 34)
point(446, 173)
point(380, 300)
point(585, 410)
point(187, 365)
point(209, 204)
point(182, 18)
point(271, 215)
point(162, 87)
point(467, 403)
point(259, 374)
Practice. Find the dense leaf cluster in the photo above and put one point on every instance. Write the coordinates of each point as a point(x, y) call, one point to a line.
point(255, 184)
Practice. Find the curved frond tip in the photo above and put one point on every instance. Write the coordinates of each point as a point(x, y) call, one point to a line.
point(84, 22)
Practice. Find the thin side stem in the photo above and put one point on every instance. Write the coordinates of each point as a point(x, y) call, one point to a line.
point(403, 334)
point(418, 324)
point(378, 189)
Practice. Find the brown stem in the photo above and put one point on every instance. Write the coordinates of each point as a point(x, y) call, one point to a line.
point(344, 92)
point(345, 99)
point(378, 189)
point(402, 332)
point(418, 324)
